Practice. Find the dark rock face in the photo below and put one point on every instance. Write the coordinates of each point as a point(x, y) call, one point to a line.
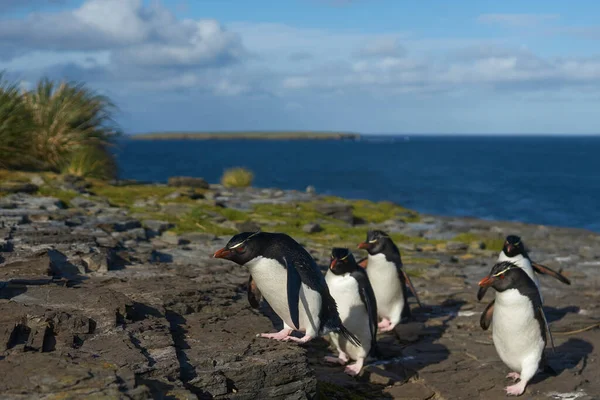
point(82, 316)
point(186, 181)
point(18, 188)
point(339, 211)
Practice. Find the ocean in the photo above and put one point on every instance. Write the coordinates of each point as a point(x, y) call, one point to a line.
point(540, 180)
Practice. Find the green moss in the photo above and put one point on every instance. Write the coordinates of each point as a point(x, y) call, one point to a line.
point(63, 195)
point(382, 211)
point(125, 196)
point(490, 243)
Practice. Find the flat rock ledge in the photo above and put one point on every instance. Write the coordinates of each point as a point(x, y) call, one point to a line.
point(96, 304)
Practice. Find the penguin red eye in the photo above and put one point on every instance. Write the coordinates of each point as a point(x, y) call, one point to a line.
point(501, 276)
point(240, 249)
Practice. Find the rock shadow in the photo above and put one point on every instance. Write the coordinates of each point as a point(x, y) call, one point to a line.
point(556, 314)
point(187, 372)
point(567, 356)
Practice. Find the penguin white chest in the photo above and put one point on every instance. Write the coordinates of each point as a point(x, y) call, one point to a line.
point(387, 287)
point(515, 331)
point(271, 279)
point(353, 313)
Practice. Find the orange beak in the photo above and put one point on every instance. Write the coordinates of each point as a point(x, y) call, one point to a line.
point(487, 281)
point(222, 253)
point(333, 264)
point(364, 245)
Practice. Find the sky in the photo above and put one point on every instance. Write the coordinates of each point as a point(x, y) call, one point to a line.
point(369, 66)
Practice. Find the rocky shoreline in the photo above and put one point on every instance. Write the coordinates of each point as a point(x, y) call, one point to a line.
point(110, 291)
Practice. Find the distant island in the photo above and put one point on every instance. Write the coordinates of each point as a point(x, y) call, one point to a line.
point(254, 135)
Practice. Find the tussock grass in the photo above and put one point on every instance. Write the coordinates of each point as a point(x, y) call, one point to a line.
point(59, 127)
point(237, 177)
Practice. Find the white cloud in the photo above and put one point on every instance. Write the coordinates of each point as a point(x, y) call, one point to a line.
point(134, 33)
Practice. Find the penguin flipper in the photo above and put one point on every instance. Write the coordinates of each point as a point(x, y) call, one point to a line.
point(411, 287)
point(254, 295)
point(481, 292)
point(548, 334)
point(486, 316)
point(294, 282)
point(542, 269)
point(367, 296)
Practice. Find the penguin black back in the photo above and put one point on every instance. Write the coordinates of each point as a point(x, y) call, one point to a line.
point(507, 275)
point(301, 269)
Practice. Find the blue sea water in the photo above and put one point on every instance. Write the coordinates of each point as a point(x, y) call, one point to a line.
point(541, 180)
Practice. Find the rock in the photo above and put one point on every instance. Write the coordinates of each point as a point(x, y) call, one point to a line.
point(589, 252)
point(178, 181)
point(311, 189)
point(86, 202)
point(476, 246)
point(312, 228)
point(542, 232)
point(75, 183)
point(247, 226)
point(97, 262)
point(456, 246)
point(156, 226)
point(410, 391)
point(339, 211)
point(18, 187)
point(170, 238)
point(173, 196)
point(197, 237)
point(386, 374)
point(37, 180)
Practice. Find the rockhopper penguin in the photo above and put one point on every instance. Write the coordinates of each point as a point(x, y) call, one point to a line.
point(290, 281)
point(519, 326)
point(388, 278)
point(514, 252)
point(350, 287)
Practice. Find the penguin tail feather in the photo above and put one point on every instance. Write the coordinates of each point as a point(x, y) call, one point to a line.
point(348, 335)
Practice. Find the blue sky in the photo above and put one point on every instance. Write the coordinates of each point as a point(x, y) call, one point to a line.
point(372, 66)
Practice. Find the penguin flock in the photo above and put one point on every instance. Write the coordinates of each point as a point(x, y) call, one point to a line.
point(353, 300)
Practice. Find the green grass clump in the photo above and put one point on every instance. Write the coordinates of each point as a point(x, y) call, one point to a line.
point(63, 195)
point(490, 243)
point(56, 126)
point(91, 162)
point(237, 177)
point(382, 211)
point(126, 196)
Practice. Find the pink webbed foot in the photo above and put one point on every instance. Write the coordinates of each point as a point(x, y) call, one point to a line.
point(281, 335)
point(515, 390)
point(385, 325)
point(301, 340)
point(354, 369)
point(514, 376)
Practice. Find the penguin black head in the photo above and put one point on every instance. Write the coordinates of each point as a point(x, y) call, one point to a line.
point(242, 248)
point(342, 261)
point(513, 246)
point(504, 276)
point(377, 242)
